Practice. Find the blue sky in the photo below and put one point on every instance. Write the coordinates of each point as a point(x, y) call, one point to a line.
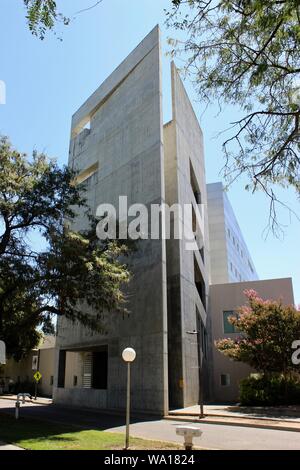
point(48, 80)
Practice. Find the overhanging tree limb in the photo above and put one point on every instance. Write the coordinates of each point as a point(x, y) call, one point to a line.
point(247, 53)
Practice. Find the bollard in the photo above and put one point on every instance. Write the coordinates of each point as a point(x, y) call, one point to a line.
point(188, 432)
point(23, 395)
point(17, 409)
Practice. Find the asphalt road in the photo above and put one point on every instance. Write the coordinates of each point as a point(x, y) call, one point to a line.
point(213, 437)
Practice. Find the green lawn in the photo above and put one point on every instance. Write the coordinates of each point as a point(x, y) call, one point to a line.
point(40, 435)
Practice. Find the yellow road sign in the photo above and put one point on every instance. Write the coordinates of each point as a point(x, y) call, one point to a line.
point(37, 376)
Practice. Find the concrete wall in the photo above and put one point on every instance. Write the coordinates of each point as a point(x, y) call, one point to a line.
point(125, 142)
point(46, 368)
point(84, 398)
point(183, 149)
point(229, 255)
point(224, 297)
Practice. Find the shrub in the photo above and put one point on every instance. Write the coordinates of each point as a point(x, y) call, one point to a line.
point(270, 390)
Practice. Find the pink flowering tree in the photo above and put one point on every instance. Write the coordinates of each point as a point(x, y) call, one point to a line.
point(267, 330)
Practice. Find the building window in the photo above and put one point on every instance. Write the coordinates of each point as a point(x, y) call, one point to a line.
point(227, 326)
point(202, 255)
point(87, 370)
point(75, 381)
point(61, 369)
point(195, 185)
point(95, 369)
point(204, 341)
point(200, 284)
point(51, 380)
point(225, 380)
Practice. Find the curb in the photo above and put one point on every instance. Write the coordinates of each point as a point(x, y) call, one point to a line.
point(243, 422)
point(231, 417)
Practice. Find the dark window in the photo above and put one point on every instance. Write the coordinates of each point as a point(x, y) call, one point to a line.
point(200, 284)
point(202, 334)
point(228, 327)
point(195, 185)
point(51, 380)
point(202, 255)
point(61, 369)
point(225, 380)
point(75, 380)
point(100, 369)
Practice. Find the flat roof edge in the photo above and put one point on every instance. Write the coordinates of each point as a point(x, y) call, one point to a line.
point(83, 114)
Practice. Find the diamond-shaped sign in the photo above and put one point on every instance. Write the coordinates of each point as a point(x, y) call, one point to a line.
point(37, 376)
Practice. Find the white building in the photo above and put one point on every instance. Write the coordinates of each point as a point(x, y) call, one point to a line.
point(230, 260)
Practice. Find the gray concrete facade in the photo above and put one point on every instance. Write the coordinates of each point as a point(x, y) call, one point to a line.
point(187, 309)
point(122, 153)
point(119, 146)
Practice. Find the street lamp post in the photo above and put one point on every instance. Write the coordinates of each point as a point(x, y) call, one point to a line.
point(128, 356)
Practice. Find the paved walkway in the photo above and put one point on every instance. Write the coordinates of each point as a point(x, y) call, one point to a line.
point(4, 446)
point(275, 413)
point(285, 419)
point(39, 400)
point(214, 436)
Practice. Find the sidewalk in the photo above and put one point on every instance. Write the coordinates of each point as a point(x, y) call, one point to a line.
point(38, 401)
point(279, 418)
point(4, 446)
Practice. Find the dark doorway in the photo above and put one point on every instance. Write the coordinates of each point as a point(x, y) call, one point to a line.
point(61, 369)
point(100, 369)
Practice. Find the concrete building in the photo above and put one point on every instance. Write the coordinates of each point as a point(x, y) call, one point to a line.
point(230, 259)
point(187, 271)
point(224, 300)
point(126, 150)
point(14, 373)
point(120, 147)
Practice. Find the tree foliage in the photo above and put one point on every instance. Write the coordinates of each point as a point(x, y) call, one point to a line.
point(246, 53)
point(268, 329)
point(74, 275)
point(42, 16)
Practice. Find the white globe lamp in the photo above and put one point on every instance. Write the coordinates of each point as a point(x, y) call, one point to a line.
point(129, 355)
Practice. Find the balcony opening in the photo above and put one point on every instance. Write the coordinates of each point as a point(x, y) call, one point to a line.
point(87, 176)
